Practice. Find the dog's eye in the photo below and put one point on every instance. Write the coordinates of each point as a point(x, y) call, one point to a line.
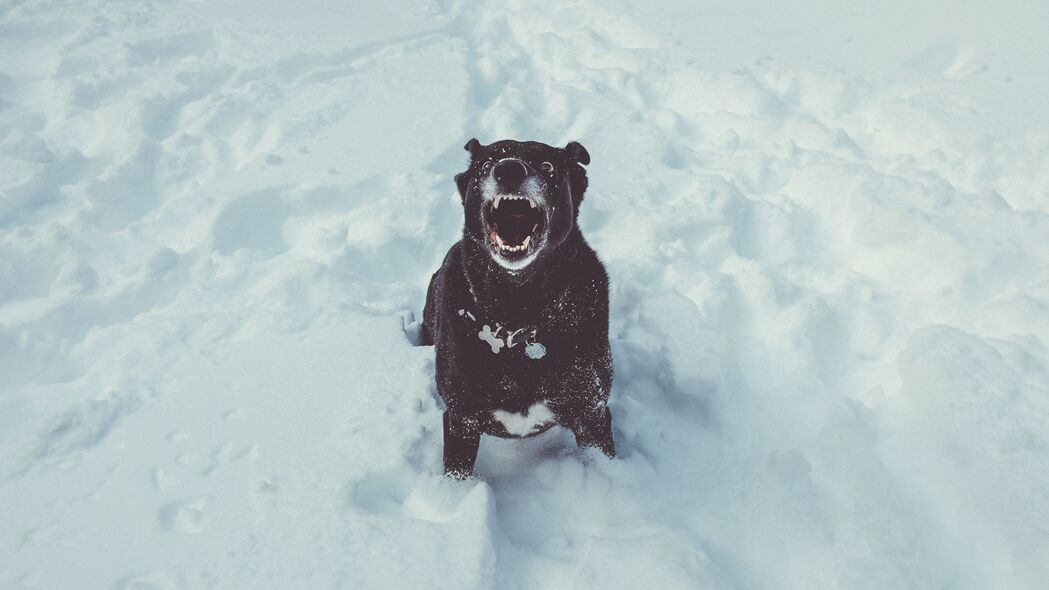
point(547, 168)
point(486, 167)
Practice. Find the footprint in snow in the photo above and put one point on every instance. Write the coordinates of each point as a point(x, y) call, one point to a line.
point(226, 454)
point(150, 581)
point(187, 518)
point(429, 498)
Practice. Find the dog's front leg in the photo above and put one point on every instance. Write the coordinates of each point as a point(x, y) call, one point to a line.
point(594, 429)
point(462, 436)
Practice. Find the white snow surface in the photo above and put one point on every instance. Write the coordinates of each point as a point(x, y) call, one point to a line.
point(825, 225)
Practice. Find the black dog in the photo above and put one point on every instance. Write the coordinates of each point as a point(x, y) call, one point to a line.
point(519, 308)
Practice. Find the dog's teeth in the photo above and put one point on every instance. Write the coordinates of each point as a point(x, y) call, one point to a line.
point(535, 227)
point(532, 203)
point(527, 239)
point(495, 205)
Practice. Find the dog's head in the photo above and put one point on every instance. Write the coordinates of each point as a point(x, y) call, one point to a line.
point(521, 199)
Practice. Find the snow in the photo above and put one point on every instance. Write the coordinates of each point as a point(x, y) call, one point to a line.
point(826, 227)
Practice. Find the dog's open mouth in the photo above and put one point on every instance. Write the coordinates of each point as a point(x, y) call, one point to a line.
point(515, 225)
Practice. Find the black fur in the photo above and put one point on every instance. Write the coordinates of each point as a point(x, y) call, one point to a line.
point(562, 295)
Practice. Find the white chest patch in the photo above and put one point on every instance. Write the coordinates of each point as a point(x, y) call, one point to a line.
point(535, 417)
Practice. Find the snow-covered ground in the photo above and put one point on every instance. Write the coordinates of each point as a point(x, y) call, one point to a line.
point(827, 230)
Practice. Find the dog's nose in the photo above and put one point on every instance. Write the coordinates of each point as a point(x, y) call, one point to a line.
point(510, 171)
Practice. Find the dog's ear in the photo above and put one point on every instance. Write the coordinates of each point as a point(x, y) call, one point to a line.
point(577, 153)
point(462, 182)
point(473, 146)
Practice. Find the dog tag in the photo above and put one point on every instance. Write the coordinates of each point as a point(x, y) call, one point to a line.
point(535, 351)
point(494, 341)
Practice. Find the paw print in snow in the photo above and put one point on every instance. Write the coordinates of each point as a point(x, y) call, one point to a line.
point(494, 341)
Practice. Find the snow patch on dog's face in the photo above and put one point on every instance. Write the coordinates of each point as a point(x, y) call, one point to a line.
point(533, 188)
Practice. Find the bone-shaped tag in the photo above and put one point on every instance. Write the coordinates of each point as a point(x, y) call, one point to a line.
point(494, 341)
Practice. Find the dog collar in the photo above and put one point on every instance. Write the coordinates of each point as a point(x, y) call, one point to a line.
point(501, 337)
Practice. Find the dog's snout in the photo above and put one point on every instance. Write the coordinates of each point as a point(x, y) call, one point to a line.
point(510, 171)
